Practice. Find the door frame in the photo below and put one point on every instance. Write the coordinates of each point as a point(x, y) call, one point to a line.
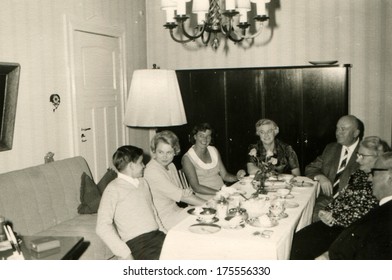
point(72, 25)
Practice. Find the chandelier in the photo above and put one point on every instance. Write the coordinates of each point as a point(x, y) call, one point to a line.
point(214, 17)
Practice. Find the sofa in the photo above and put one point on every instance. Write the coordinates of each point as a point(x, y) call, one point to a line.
point(43, 200)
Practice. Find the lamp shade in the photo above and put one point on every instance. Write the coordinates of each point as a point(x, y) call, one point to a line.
point(154, 99)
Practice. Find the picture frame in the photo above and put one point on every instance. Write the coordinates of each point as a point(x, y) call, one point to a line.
point(9, 86)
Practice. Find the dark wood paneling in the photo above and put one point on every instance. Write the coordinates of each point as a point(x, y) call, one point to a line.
point(305, 102)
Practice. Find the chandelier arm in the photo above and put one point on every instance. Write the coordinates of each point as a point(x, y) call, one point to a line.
point(235, 40)
point(258, 32)
point(193, 37)
point(229, 35)
point(205, 42)
point(178, 40)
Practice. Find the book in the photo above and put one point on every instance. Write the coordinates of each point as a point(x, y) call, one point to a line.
point(44, 243)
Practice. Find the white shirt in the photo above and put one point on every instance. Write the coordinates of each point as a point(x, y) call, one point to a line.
point(350, 150)
point(129, 179)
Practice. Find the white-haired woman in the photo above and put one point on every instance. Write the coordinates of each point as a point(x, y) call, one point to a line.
point(277, 155)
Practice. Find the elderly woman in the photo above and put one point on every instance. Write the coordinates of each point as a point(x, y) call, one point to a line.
point(162, 176)
point(203, 165)
point(349, 205)
point(271, 152)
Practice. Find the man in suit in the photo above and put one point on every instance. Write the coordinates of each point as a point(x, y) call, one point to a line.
point(370, 238)
point(337, 162)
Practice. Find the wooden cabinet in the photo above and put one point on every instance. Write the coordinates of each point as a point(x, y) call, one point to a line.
point(305, 102)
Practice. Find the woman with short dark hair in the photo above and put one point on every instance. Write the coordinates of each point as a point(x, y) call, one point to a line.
point(203, 165)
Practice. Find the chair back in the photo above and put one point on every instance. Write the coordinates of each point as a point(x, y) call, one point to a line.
point(184, 181)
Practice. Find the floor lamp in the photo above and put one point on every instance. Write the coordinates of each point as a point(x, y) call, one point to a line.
point(154, 100)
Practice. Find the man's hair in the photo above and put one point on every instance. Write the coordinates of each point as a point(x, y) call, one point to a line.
point(359, 124)
point(124, 155)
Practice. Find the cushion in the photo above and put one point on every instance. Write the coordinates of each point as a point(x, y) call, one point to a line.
point(89, 196)
point(90, 193)
point(109, 176)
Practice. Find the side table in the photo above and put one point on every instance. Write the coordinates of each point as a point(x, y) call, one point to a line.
point(71, 248)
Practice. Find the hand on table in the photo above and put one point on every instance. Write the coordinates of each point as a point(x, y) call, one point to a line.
point(325, 184)
point(326, 218)
point(241, 174)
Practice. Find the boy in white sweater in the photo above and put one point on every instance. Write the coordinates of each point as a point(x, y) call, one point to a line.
point(127, 219)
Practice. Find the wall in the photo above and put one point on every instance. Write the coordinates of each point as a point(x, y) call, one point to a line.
point(33, 33)
point(350, 31)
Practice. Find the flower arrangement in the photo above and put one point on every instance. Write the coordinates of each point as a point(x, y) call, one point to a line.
point(266, 169)
point(267, 166)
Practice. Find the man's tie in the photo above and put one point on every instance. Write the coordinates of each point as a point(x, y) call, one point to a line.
point(340, 171)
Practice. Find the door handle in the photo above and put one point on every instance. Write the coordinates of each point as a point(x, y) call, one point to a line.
point(85, 129)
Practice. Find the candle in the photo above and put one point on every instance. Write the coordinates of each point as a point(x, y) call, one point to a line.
point(243, 15)
point(181, 7)
point(243, 4)
point(200, 8)
point(169, 6)
point(170, 15)
point(230, 5)
point(260, 8)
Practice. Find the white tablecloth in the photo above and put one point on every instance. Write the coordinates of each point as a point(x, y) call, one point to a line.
point(236, 244)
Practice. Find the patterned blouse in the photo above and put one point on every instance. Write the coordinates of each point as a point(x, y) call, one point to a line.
point(353, 201)
point(283, 160)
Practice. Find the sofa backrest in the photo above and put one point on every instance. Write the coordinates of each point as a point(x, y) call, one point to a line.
point(39, 197)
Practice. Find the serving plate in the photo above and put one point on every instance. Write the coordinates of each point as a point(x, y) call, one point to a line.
point(327, 62)
point(204, 228)
point(301, 183)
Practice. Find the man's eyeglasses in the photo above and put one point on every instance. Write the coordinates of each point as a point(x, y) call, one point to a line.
point(377, 169)
point(361, 156)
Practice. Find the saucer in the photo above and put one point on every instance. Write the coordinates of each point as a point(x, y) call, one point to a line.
point(291, 204)
point(193, 211)
point(255, 222)
point(214, 220)
point(281, 215)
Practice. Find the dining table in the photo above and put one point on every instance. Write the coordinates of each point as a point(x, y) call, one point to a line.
point(247, 241)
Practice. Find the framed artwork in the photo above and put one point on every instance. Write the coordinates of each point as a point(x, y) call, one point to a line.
point(9, 84)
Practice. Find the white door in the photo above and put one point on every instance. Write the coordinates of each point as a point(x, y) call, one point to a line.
point(99, 95)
